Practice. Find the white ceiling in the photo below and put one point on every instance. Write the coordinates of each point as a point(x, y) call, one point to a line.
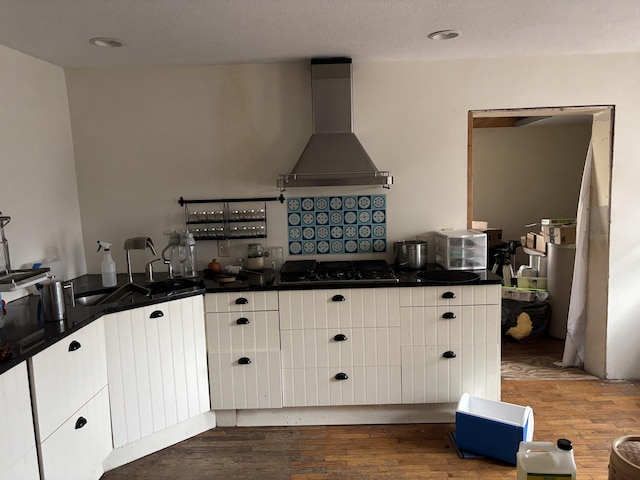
point(179, 32)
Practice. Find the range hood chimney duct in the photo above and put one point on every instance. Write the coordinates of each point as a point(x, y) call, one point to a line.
point(333, 156)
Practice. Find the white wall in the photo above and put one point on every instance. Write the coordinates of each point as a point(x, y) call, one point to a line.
point(523, 174)
point(145, 136)
point(38, 189)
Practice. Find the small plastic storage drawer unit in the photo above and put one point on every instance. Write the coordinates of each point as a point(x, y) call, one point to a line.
point(461, 249)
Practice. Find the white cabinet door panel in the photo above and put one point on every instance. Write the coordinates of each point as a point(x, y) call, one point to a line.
point(24, 468)
point(86, 436)
point(334, 347)
point(245, 331)
point(450, 295)
point(339, 308)
point(157, 367)
point(241, 301)
point(17, 437)
point(313, 387)
point(66, 374)
point(452, 324)
point(429, 377)
point(251, 383)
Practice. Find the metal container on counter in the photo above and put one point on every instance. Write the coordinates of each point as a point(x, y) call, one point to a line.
point(410, 254)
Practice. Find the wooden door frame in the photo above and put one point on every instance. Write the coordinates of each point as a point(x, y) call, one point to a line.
point(595, 361)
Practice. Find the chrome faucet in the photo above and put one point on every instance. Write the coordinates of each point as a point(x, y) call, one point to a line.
point(137, 243)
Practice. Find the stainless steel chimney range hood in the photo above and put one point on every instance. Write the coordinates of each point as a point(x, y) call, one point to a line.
point(333, 156)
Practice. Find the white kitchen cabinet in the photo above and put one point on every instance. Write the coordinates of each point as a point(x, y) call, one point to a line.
point(341, 308)
point(76, 449)
point(157, 367)
point(18, 458)
point(243, 339)
point(340, 347)
point(450, 343)
point(68, 380)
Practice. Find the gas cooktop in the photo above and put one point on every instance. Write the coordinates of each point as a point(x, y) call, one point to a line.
point(310, 272)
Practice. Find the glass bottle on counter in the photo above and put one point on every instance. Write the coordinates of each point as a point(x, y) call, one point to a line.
point(255, 257)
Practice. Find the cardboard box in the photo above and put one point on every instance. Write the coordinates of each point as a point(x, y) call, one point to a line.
point(554, 222)
point(520, 294)
point(493, 429)
point(539, 283)
point(535, 241)
point(562, 235)
point(494, 236)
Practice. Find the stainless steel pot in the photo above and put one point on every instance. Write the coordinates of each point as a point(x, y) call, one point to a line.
point(410, 254)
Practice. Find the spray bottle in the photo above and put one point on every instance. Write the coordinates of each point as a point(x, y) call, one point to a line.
point(108, 266)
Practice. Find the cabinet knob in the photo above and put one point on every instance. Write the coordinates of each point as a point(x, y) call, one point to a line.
point(448, 295)
point(73, 346)
point(243, 321)
point(81, 422)
point(449, 354)
point(341, 337)
point(341, 376)
point(241, 301)
point(448, 315)
point(337, 298)
point(156, 314)
point(244, 361)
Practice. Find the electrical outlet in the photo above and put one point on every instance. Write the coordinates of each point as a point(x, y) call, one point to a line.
point(223, 248)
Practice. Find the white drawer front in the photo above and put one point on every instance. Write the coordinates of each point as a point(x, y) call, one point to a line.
point(312, 387)
point(241, 301)
point(77, 449)
point(451, 324)
point(335, 347)
point(450, 295)
point(339, 308)
point(429, 377)
point(243, 331)
point(254, 382)
point(67, 374)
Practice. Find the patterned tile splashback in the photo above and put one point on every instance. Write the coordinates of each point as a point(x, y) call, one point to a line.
point(337, 224)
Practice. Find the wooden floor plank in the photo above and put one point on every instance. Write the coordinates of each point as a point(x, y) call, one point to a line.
point(590, 413)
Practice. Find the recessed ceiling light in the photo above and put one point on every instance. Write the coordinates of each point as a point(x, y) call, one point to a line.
point(444, 35)
point(106, 42)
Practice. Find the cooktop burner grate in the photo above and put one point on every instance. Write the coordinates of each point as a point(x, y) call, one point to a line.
point(312, 272)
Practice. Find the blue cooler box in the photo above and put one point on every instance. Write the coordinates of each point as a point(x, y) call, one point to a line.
point(493, 429)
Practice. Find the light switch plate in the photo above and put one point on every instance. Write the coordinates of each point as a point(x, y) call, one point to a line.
point(223, 248)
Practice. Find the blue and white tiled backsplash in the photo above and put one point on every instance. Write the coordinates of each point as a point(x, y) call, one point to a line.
point(337, 224)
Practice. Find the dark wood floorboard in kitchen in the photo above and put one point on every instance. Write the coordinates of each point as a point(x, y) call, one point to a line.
point(590, 413)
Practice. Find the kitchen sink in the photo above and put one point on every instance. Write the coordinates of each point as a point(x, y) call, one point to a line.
point(118, 294)
point(132, 290)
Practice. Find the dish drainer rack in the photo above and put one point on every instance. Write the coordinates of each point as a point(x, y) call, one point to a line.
point(11, 280)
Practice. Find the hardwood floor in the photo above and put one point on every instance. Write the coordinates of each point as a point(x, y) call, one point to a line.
point(589, 413)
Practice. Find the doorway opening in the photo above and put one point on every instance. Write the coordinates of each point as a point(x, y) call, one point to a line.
point(527, 164)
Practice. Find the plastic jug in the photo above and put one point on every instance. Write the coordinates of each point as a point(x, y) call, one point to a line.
point(546, 461)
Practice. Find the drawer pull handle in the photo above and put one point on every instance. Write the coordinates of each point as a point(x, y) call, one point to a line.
point(449, 354)
point(244, 361)
point(156, 314)
point(341, 376)
point(449, 315)
point(243, 321)
point(241, 301)
point(337, 298)
point(73, 346)
point(448, 295)
point(341, 337)
point(81, 422)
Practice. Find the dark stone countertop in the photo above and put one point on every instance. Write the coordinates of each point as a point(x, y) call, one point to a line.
point(24, 336)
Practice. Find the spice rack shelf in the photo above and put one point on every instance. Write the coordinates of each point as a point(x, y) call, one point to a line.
point(222, 219)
